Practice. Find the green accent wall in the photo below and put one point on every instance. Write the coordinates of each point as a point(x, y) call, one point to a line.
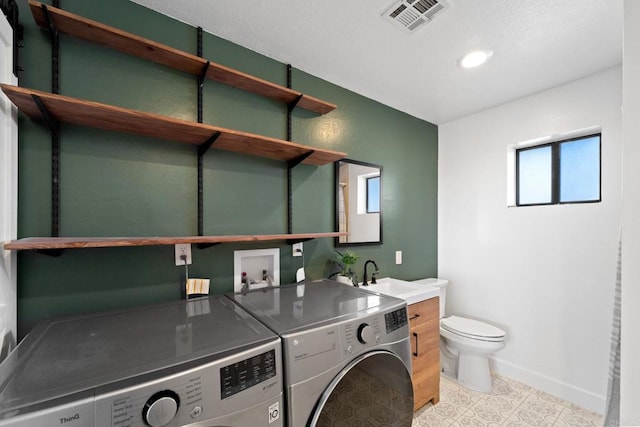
point(115, 184)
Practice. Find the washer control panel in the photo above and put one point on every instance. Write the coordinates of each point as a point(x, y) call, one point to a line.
point(195, 395)
point(142, 406)
point(241, 375)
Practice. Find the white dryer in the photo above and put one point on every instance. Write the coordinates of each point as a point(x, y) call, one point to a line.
point(346, 353)
point(202, 362)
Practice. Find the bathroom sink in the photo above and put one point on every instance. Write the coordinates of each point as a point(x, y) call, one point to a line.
point(408, 291)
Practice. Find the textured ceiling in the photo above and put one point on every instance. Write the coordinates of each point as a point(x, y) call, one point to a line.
point(536, 44)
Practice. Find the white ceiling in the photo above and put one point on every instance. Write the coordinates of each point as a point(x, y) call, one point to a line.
point(536, 44)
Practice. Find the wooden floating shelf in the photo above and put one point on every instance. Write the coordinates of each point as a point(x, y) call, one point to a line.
point(96, 32)
point(102, 116)
point(56, 243)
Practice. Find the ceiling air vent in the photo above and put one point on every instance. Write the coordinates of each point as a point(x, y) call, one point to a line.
point(411, 14)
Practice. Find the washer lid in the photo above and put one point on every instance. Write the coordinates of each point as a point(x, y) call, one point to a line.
point(471, 328)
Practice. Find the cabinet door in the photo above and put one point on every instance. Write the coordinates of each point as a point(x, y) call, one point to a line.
point(425, 348)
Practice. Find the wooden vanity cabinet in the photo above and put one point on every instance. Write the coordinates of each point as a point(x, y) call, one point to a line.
point(424, 325)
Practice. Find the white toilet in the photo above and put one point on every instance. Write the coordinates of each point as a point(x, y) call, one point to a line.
point(465, 345)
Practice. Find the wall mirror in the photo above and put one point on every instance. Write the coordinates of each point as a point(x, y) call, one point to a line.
point(358, 202)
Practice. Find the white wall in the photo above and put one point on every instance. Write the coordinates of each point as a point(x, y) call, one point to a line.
point(630, 341)
point(544, 274)
point(8, 194)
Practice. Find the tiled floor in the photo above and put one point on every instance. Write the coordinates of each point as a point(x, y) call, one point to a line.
point(509, 404)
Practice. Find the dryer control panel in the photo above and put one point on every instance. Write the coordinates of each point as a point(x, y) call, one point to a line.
point(358, 334)
point(395, 320)
point(374, 330)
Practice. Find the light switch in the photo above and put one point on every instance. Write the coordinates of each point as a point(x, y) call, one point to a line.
point(398, 257)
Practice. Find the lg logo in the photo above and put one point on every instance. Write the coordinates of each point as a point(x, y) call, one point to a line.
point(274, 412)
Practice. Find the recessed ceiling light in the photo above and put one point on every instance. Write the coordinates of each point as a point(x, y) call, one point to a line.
point(475, 58)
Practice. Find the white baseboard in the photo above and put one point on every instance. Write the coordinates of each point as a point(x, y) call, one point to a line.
point(568, 392)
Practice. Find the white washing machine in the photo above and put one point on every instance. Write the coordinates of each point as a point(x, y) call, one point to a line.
point(346, 353)
point(202, 362)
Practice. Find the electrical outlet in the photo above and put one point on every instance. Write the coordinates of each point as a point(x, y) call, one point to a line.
point(183, 250)
point(398, 257)
point(297, 249)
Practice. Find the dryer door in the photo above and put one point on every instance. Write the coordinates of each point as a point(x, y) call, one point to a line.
point(373, 390)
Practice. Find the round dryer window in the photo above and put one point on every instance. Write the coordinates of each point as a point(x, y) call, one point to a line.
point(374, 390)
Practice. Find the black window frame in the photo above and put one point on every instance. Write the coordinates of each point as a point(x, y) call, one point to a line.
point(555, 171)
point(367, 197)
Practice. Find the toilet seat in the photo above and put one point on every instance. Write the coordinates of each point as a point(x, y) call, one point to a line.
point(472, 329)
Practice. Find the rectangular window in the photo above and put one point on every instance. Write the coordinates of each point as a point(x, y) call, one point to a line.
point(373, 195)
point(561, 172)
point(534, 175)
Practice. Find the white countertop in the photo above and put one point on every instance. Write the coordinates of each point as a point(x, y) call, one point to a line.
point(411, 292)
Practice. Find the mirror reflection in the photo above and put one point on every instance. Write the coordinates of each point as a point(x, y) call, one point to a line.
point(358, 202)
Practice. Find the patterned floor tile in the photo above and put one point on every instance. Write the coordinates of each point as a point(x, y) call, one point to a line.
point(549, 398)
point(492, 411)
point(458, 393)
point(573, 415)
point(510, 404)
point(548, 409)
point(449, 411)
point(528, 417)
point(515, 423)
point(503, 386)
point(426, 418)
point(470, 420)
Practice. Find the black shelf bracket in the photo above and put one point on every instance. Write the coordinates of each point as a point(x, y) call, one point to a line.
point(295, 162)
point(206, 245)
point(294, 241)
point(47, 17)
point(53, 124)
point(50, 252)
point(203, 75)
point(204, 147)
point(292, 105)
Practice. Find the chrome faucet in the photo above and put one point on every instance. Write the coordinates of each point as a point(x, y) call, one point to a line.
point(373, 275)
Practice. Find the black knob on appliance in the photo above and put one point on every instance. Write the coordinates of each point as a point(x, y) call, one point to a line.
point(160, 408)
point(365, 333)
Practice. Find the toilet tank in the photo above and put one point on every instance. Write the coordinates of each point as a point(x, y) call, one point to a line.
point(439, 283)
